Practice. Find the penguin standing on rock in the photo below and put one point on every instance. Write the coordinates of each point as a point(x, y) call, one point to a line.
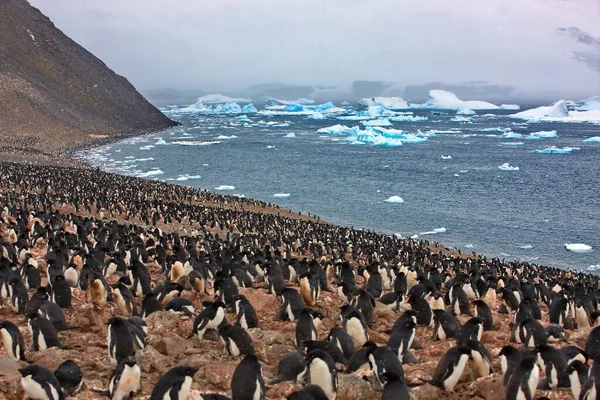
point(402, 338)
point(125, 380)
point(180, 305)
point(245, 313)
point(322, 372)
point(524, 381)
point(175, 384)
point(61, 292)
point(291, 368)
point(12, 341)
point(578, 375)
point(308, 392)
point(236, 340)
point(450, 368)
point(120, 340)
point(150, 304)
point(39, 383)
point(445, 325)
point(124, 299)
point(394, 386)
point(472, 329)
point(43, 334)
point(481, 361)
point(310, 289)
point(247, 382)
point(510, 358)
point(355, 325)
point(554, 364)
point(52, 312)
point(210, 318)
point(305, 328)
point(70, 377)
point(482, 311)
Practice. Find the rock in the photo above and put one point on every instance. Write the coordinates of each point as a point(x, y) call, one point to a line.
point(9, 367)
point(195, 361)
point(489, 387)
point(50, 358)
point(151, 360)
point(282, 390)
point(354, 387)
point(171, 346)
point(267, 337)
point(427, 392)
point(164, 324)
point(410, 358)
point(217, 374)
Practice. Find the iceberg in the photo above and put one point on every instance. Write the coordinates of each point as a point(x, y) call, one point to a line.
point(160, 141)
point(594, 139)
point(513, 144)
point(293, 107)
point(290, 135)
point(526, 247)
point(394, 199)
point(465, 111)
point(340, 130)
point(510, 107)
point(507, 167)
point(390, 103)
point(511, 135)
point(578, 247)
point(225, 187)
point(407, 118)
point(593, 103)
point(225, 137)
point(446, 157)
point(377, 122)
point(542, 135)
point(228, 108)
point(249, 109)
point(462, 119)
point(281, 195)
point(558, 109)
point(316, 115)
point(243, 118)
point(559, 112)
point(150, 173)
point(443, 100)
point(556, 150)
point(436, 230)
point(499, 130)
point(216, 98)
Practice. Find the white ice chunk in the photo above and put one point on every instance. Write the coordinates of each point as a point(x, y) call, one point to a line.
point(377, 122)
point(526, 247)
point(391, 103)
point(225, 137)
point(578, 247)
point(436, 230)
point(507, 167)
point(465, 111)
point(462, 119)
point(441, 99)
point(593, 103)
point(499, 130)
point(216, 98)
point(542, 135)
point(556, 150)
point(160, 141)
point(446, 157)
point(228, 108)
point(510, 107)
point(195, 142)
point(558, 109)
point(394, 199)
point(594, 139)
point(290, 135)
point(513, 144)
point(316, 115)
point(408, 118)
point(511, 135)
point(225, 187)
point(150, 173)
point(281, 195)
point(249, 109)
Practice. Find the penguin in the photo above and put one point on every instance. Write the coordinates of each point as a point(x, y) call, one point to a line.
point(491, 296)
point(61, 292)
point(138, 323)
point(355, 325)
point(360, 357)
point(175, 384)
point(72, 275)
point(213, 396)
point(480, 360)
point(293, 304)
point(582, 316)
point(558, 311)
point(197, 281)
point(305, 328)
point(482, 311)
point(150, 304)
point(18, 295)
point(459, 300)
point(180, 305)
point(510, 358)
point(236, 340)
point(339, 337)
point(140, 279)
point(436, 301)
point(591, 388)
point(394, 386)
point(36, 300)
point(309, 288)
point(209, 318)
point(43, 334)
point(309, 392)
point(322, 372)
point(124, 299)
point(31, 276)
point(445, 325)
point(247, 382)
point(422, 309)
point(70, 377)
point(97, 291)
point(167, 291)
point(125, 380)
point(52, 312)
point(12, 341)
point(592, 343)
point(524, 381)
point(573, 353)
point(345, 291)
point(292, 368)
point(472, 329)
point(531, 333)
point(555, 333)
point(39, 383)
point(509, 299)
point(402, 338)
point(450, 368)
point(554, 364)
point(577, 372)
point(383, 359)
point(120, 340)
point(245, 313)
point(364, 302)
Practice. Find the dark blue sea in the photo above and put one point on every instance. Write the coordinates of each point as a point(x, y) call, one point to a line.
point(452, 188)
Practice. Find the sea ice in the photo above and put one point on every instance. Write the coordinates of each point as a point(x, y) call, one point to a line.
point(556, 150)
point(148, 147)
point(510, 107)
point(513, 144)
point(281, 195)
point(391, 103)
point(436, 230)
point(160, 141)
point(507, 167)
point(578, 247)
point(448, 132)
point(249, 109)
point(228, 108)
point(594, 139)
point(498, 130)
point(225, 187)
point(443, 100)
point(462, 119)
point(558, 109)
point(593, 103)
point(394, 199)
point(408, 118)
point(377, 122)
point(196, 142)
point(341, 130)
point(446, 157)
point(216, 98)
point(511, 135)
point(316, 115)
point(465, 111)
point(290, 135)
point(150, 173)
point(542, 135)
point(225, 137)
point(526, 247)
point(270, 147)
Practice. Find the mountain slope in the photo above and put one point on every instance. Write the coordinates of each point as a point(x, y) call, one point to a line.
point(54, 94)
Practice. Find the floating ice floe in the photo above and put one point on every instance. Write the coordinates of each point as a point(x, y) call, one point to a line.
point(462, 119)
point(526, 247)
point(408, 118)
point(542, 135)
point(578, 247)
point(558, 112)
point(187, 177)
point(511, 135)
point(510, 107)
point(495, 129)
point(270, 147)
point(225, 137)
point(594, 139)
point(593, 103)
point(373, 135)
point(443, 100)
point(196, 142)
point(507, 167)
point(316, 115)
point(446, 157)
point(148, 147)
point(394, 199)
point(225, 187)
point(469, 246)
point(593, 267)
point(465, 111)
point(556, 150)
point(160, 141)
point(290, 135)
point(391, 103)
point(513, 144)
point(216, 98)
point(436, 230)
point(249, 109)
point(281, 195)
point(377, 122)
point(150, 173)
point(444, 132)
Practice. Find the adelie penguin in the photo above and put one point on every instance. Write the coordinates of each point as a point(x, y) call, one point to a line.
point(210, 318)
point(150, 304)
point(308, 392)
point(124, 299)
point(51, 311)
point(305, 328)
point(340, 338)
point(125, 380)
point(175, 384)
point(43, 334)
point(40, 384)
point(577, 372)
point(336, 354)
point(36, 300)
point(482, 311)
point(180, 305)
point(70, 377)
point(236, 340)
point(61, 292)
point(510, 358)
point(322, 372)
point(247, 382)
point(365, 303)
point(402, 338)
point(472, 329)
point(310, 288)
point(293, 304)
point(450, 368)
point(120, 340)
point(291, 368)
point(18, 295)
point(383, 359)
point(12, 341)
point(554, 364)
point(245, 313)
point(480, 359)
point(355, 325)
point(524, 381)
point(445, 325)
point(394, 386)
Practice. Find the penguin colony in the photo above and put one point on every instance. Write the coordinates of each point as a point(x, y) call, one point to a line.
point(85, 254)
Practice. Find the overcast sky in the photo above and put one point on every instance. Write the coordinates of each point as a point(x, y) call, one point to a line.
point(229, 44)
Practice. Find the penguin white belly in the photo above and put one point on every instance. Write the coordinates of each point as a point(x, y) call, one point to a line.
point(456, 308)
point(129, 382)
point(184, 392)
point(582, 318)
point(216, 321)
point(441, 334)
point(189, 308)
point(437, 304)
point(8, 343)
point(481, 366)
point(243, 322)
point(233, 348)
point(452, 380)
point(342, 295)
point(591, 393)
point(35, 391)
point(290, 314)
point(257, 391)
point(575, 384)
point(554, 378)
point(41, 341)
point(503, 364)
point(321, 376)
point(356, 330)
point(534, 377)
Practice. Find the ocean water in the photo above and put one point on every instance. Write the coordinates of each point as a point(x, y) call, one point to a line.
point(452, 189)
